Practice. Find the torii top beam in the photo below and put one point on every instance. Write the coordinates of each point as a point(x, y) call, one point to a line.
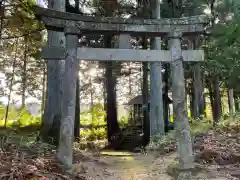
point(57, 21)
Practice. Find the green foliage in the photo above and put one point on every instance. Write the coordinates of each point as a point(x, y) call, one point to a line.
point(24, 140)
point(222, 48)
point(21, 43)
point(173, 169)
point(95, 116)
point(18, 118)
point(123, 121)
point(196, 127)
point(230, 123)
point(94, 119)
point(93, 134)
point(200, 126)
point(158, 142)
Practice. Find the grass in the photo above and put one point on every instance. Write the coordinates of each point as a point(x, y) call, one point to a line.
point(22, 121)
point(92, 134)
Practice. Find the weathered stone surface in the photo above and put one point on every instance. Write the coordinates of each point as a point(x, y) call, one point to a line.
point(183, 136)
point(55, 70)
point(93, 27)
point(65, 149)
point(39, 11)
point(53, 53)
point(57, 20)
point(156, 106)
point(101, 54)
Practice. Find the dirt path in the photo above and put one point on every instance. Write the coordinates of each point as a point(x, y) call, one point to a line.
point(128, 166)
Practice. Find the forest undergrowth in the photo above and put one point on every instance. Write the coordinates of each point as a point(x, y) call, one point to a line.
point(216, 150)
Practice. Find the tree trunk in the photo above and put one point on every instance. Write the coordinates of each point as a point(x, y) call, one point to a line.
point(24, 71)
point(43, 89)
point(165, 97)
point(11, 84)
point(105, 93)
point(130, 94)
point(157, 125)
point(183, 136)
point(2, 14)
point(91, 98)
point(198, 87)
point(145, 93)
point(112, 124)
point(201, 95)
point(77, 5)
point(198, 94)
point(205, 105)
point(187, 97)
point(236, 102)
point(124, 43)
point(55, 70)
point(217, 100)
point(77, 112)
point(211, 97)
point(192, 102)
point(230, 101)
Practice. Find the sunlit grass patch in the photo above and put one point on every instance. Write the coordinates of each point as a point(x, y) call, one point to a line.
point(115, 153)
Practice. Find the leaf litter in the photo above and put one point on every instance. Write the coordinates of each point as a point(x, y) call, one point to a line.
point(217, 151)
point(20, 163)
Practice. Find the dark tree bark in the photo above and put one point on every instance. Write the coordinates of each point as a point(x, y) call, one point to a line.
point(198, 105)
point(111, 80)
point(43, 89)
point(77, 112)
point(197, 94)
point(211, 96)
point(73, 9)
point(217, 100)
point(11, 84)
point(187, 93)
point(77, 5)
point(165, 96)
point(130, 93)
point(204, 105)
point(146, 123)
point(202, 100)
point(230, 101)
point(236, 102)
point(55, 70)
point(192, 110)
point(2, 14)
point(24, 71)
point(52, 111)
point(105, 94)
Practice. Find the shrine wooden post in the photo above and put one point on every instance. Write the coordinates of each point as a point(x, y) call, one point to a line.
point(69, 98)
point(179, 105)
point(156, 106)
point(77, 25)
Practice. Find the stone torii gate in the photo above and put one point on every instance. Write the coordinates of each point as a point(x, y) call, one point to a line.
point(75, 25)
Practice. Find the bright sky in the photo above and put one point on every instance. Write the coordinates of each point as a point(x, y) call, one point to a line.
point(41, 3)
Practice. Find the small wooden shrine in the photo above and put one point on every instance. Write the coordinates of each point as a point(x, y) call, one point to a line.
point(137, 111)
